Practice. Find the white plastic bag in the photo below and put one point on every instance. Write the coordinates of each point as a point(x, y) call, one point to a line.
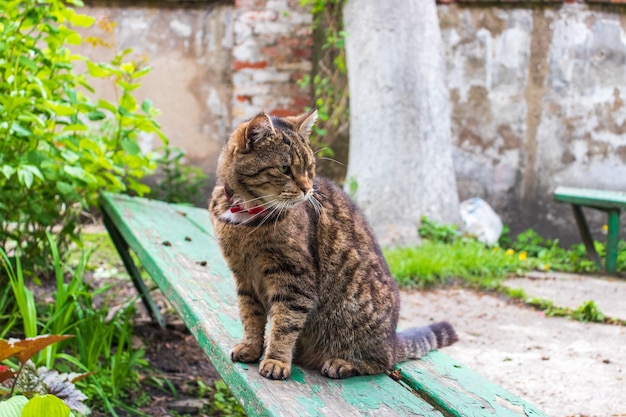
point(481, 221)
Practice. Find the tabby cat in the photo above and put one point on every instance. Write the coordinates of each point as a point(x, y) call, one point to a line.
point(303, 255)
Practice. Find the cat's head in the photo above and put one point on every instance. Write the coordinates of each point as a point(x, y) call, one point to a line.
point(268, 160)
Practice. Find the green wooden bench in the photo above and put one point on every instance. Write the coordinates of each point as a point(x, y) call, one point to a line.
point(176, 246)
point(611, 202)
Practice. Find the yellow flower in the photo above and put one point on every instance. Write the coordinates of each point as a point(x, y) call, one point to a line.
point(510, 251)
point(605, 228)
point(546, 267)
point(522, 255)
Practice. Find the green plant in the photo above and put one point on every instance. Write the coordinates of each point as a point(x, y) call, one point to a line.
point(50, 392)
point(431, 230)
point(102, 331)
point(103, 342)
point(59, 147)
point(329, 84)
point(179, 182)
point(7, 308)
point(588, 311)
point(224, 403)
point(22, 295)
point(549, 255)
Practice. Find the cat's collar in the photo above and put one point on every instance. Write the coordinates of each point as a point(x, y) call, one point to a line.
point(237, 207)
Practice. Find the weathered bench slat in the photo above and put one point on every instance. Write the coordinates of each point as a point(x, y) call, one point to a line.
point(174, 251)
point(176, 246)
point(601, 199)
point(461, 391)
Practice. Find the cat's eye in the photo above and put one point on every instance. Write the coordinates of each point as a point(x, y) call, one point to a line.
point(285, 169)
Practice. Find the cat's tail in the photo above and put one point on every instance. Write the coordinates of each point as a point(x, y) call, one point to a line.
point(418, 341)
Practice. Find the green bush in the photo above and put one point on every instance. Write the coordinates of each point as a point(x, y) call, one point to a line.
point(59, 147)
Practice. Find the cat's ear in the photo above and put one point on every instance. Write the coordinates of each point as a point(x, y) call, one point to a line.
point(304, 123)
point(258, 128)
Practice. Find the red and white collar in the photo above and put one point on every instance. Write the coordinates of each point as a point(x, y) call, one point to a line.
point(237, 207)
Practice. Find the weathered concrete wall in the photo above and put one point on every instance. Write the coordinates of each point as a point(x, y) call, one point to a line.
point(537, 97)
point(537, 92)
point(189, 49)
point(215, 63)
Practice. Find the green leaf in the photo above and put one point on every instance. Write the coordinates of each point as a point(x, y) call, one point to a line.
point(36, 172)
point(75, 128)
point(75, 172)
point(141, 72)
point(96, 115)
point(130, 146)
point(147, 105)
point(8, 171)
point(128, 102)
point(25, 177)
point(106, 105)
point(65, 188)
point(74, 39)
point(82, 20)
point(20, 130)
point(45, 405)
point(13, 406)
point(97, 71)
point(138, 187)
point(60, 109)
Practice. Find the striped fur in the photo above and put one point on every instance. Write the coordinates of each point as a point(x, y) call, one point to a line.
point(309, 262)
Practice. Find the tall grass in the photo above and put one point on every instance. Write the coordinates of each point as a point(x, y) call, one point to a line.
point(438, 263)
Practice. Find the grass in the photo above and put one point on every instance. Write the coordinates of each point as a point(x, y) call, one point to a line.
point(438, 263)
point(446, 256)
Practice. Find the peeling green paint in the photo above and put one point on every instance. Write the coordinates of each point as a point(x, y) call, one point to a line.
point(297, 374)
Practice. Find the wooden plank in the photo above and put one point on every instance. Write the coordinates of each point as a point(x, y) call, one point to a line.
point(600, 199)
point(176, 246)
point(461, 391)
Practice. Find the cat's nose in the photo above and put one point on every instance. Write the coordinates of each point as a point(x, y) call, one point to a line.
point(305, 186)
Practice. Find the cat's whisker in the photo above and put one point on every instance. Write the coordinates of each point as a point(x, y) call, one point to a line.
point(332, 160)
point(273, 206)
point(255, 199)
point(316, 205)
point(320, 150)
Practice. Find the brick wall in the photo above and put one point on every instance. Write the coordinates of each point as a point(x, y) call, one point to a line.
point(271, 51)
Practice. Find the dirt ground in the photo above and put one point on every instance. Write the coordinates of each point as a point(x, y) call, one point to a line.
point(564, 367)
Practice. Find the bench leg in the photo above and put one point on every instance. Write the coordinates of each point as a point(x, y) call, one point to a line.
point(586, 235)
point(612, 241)
point(133, 271)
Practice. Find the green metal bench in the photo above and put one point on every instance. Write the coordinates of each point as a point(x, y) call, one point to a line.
point(176, 246)
point(612, 202)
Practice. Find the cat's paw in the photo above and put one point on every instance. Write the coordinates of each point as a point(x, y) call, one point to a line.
point(274, 369)
point(245, 352)
point(338, 369)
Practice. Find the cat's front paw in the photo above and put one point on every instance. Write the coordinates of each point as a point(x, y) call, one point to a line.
point(245, 352)
point(274, 369)
point(339, 368)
